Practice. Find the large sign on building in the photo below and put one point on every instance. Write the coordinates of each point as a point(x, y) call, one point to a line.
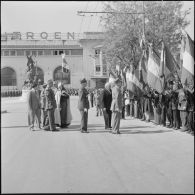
point(38, 36)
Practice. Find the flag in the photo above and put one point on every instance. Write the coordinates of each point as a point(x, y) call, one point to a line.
point(64, 62)
point(187, 69)
point(137, 85)
point(129, 79)
point(142, 76)
point(112, 76)
point(168, 65)
point(153, 74)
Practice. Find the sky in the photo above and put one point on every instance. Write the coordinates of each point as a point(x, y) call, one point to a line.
point(59, 16)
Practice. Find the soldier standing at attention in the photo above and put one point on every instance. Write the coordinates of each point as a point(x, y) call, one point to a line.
point(50, 105)
point(116, 106)
point(83, 105)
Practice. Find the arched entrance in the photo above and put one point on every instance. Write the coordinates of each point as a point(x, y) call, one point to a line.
point(40, 74)
point(64, 76)
point(8, 77)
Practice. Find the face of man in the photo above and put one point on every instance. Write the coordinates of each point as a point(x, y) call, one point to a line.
point(84, 85)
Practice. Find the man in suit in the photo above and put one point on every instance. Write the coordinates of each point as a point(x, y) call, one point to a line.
point(107, 100)
point(50, 105)
point(116, 106)
point(33, 106)
point(83, 105)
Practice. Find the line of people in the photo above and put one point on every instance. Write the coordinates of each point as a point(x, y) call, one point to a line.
point(49, 105)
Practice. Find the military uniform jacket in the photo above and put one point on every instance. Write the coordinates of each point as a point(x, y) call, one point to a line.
point(116, 104)
point(174, 100)
point(83, 99)
point(50, 102)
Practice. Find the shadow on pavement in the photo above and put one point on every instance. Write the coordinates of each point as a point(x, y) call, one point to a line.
point(16, 126)
point(143, 132)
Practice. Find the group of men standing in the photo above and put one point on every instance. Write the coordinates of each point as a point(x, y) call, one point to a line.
point(111, 105)
point(49, 105)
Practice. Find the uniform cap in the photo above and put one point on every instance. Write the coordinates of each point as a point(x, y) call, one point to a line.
point(83, 80)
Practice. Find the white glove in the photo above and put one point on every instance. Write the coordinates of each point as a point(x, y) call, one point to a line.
point(85, 109)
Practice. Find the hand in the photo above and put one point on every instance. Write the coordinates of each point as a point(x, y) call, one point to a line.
point(104, 109)
point(85, 109)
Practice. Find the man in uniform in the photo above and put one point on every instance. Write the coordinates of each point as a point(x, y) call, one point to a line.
point(83, 105)
point(50, 105)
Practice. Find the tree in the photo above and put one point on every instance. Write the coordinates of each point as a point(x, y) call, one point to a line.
point(123, 32)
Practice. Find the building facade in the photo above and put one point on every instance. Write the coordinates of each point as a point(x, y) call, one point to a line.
point(82, 52)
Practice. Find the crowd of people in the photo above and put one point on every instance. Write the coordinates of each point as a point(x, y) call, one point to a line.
point(49, 104)
point(173, 108)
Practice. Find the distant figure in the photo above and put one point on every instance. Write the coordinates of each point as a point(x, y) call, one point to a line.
point(43, 103)
point(33, 106)
point(83, 105)
point(116, 106)
point(98, 103)
point(107, 100)
point(50, 106)
point(62, 113)
point(91, 98)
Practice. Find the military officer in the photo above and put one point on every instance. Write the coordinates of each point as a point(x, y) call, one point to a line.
point(50, 105)
point(116, 106)
point(83, 105)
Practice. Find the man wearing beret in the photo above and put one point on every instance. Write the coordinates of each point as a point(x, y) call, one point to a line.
point(116, 106)
point(50, 105)
point(83, 105)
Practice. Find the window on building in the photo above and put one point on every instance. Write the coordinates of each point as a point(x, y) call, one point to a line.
point(55, 52)
point(40, 52)
point(20, 52)
point(6, 53)
point(8, 77)
point(34, 53)
point(97, 51)
point(12, 53)
point(28, 52)
point(47, 52)
point(97, 68)
point(76, 52)
point(67, 52)
point(61, 52)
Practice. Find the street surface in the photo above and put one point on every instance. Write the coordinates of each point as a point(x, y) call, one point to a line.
point(144, 158)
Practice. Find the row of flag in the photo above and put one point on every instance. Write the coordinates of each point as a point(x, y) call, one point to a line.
point(159, 68)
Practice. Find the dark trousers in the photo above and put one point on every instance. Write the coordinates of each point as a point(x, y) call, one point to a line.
point(84, 120)
point(116, 117)
point(50, 114)
point(107, 118)
point(176, 123)
point(163, 116)
point(131, 109)
point(190, 121)
point(184, 117)
point(170, 116)
point(123, 112)
point(43, 117)
point(91, 103)
point(127, 108)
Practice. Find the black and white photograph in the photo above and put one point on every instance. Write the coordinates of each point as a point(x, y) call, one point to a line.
point(97, 97)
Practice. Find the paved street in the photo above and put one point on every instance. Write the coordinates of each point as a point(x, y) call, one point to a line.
point(144, 158)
